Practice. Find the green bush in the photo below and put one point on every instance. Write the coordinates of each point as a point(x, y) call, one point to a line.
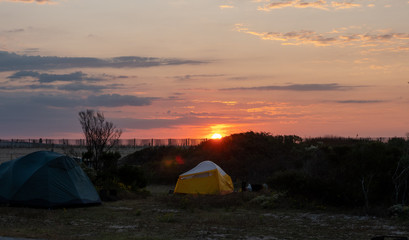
point(268, 201)
point(292, 181)
point(132, 176)
point(300, 185)
point(91, 173)
point(107, 176)
point(399, 211)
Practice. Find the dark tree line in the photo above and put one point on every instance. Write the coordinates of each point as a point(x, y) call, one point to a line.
point(337, 171)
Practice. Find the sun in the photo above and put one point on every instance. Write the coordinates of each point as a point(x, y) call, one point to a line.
point(216, 136)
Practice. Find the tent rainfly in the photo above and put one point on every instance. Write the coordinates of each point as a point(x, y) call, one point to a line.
point(45, 179)
point(206, 178)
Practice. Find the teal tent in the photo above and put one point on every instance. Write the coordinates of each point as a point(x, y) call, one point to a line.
point(45, 179)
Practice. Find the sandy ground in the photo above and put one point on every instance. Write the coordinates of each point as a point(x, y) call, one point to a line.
point(166, 216)
point(9, 238)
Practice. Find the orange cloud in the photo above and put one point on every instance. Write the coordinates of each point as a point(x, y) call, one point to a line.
point(344, 5)
point(226, 6)
point(380, 67)
point(268, 110)
point(318, 4)
point(334, 38)
point(229, 103)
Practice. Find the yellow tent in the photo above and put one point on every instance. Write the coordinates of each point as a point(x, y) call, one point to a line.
point(206, 178)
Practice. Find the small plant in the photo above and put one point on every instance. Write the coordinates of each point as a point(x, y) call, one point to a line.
point(91, 173)
point(124, 187)
point(132, 176)
point(136, 212)
point(167, 217)
point(267, 201)
point(399, 211)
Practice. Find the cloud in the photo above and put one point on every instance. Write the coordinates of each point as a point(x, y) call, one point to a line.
point(76, 76)
point(183, 120)
point(23, 74)
point(294, 3)
point(60, 101)
point(45, 115)
point(116, 100)
point(14, 62)
point(380, 67)
point(360, 101)
point(318, 4)
point(277, 5)
point(146, 123)
point(105, 100)
point(296, 87)
point(70, 82)
point(31, 50)
point(242, 78)
point(73, 87)
point(334, 38)
point(48, 78)
point(26, 119)
point(189, 77)
point(73, 100)
point(17, 30)
point(31, 1)
point(26, 87)
point(345, 5)
point(226, 6)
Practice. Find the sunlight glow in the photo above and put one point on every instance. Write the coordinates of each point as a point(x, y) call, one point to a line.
point(216, 136)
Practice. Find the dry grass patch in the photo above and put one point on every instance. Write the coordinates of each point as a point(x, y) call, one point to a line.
point(163, 216)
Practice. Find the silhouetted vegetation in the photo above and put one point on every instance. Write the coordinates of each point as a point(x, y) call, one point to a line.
point(334, 171)
point(100, 136)
point(116, 182)
point(132, 176)
point(101, 163)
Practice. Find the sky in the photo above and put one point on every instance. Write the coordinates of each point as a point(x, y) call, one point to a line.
point(189, 69)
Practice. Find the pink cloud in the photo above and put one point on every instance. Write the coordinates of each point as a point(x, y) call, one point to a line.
point(32, 1)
